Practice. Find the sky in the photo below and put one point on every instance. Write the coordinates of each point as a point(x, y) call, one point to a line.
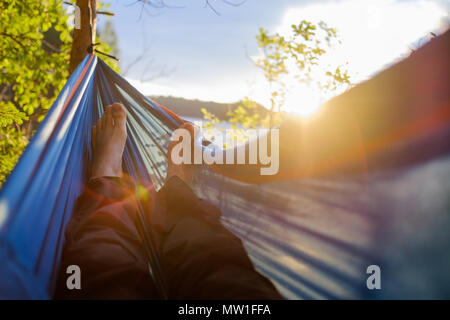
point(191, 51)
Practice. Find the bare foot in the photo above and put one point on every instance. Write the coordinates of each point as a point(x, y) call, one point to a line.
point(108, 140)
point(184, 171)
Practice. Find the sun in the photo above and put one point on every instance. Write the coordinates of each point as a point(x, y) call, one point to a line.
point(361, 29)
point(303, 101)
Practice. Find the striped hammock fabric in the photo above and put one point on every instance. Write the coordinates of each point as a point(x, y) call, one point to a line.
point(314, 238)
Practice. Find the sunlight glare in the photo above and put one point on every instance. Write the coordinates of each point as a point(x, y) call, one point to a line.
point(374, 35)
point(303, 101)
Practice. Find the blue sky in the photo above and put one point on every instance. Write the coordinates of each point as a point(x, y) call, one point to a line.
point(193, 37)
point(208, 56)
point(193, 43)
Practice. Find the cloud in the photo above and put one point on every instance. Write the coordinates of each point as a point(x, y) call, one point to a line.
point(374, 33)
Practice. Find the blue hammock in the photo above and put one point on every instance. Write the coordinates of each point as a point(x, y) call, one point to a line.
point(314, 238)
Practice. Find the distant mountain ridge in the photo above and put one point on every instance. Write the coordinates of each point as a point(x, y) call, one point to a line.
point(192, 108)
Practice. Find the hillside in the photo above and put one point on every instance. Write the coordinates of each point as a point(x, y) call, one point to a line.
point(192, 108)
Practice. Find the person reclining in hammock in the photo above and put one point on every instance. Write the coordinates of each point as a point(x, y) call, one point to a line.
point(199, 258)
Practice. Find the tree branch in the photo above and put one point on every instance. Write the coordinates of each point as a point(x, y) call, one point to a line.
point(208, 4)
point(13, 38)
point(161, 4)
point(106, 13)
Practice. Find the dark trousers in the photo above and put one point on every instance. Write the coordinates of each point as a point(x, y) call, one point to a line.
point(199, 258)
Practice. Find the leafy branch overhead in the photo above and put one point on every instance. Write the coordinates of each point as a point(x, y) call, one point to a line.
point(287, 62)
point(299, 56)
point(35, 43)
point(30, 64)
point(152, 7)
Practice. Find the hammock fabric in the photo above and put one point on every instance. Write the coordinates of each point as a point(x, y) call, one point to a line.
point(313, 237)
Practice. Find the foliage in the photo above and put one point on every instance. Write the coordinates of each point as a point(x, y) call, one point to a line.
point(299, 57)
point(32, 69)
point(211, 118)
point(294, 58)
point(245, 114)
point(237, 133)
point(12, 144)
point(35, 41)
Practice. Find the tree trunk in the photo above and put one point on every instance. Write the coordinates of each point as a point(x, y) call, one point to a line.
point(85, 36)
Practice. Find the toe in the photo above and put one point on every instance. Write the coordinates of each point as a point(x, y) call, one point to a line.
point(118, 110)
point(119, 114)
point(107, 118)
point(98, 126)
point(116, 106)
